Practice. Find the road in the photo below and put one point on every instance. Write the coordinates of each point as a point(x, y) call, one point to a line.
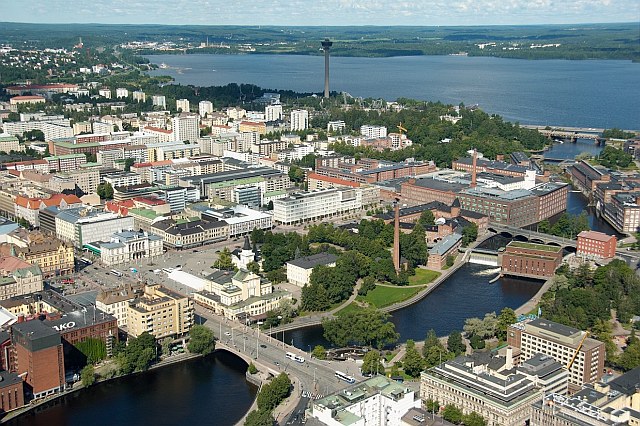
point(317, 377)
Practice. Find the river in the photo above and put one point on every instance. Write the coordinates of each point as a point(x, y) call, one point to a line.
point(597, 93)
point(467, 293)
point(204, 391)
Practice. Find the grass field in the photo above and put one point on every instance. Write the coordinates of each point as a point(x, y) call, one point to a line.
point(385, 296)
point(423, 276)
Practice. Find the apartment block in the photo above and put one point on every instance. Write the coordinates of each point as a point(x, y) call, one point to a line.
point(160, 312)
point(299, 120)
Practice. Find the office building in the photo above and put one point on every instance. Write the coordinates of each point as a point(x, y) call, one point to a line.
point(85, 225)
point(299, 120)
point(160, 312)
point(191, 233)
point(492, 387)
point(615, 402)
point(583, 356)
point(305, 206)
point(376, 401)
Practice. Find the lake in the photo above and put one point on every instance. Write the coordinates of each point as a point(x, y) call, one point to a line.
point(597, 93)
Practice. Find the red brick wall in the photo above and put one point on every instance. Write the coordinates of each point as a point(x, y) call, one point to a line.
point(44, 368)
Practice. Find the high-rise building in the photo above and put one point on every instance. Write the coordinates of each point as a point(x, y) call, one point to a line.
point(186, 127)
point(273, 112)
point(299, 119)
point(159, 101)
point(205, 108)
point(182, 105)
point(583, 356)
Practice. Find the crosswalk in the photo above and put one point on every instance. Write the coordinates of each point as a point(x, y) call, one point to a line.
point(307, 394)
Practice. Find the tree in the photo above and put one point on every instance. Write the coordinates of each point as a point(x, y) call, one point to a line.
point(274, 392)
point(165, 345)
point(88, 376)
point(473, 419)
point(128, 163)
point(452, 414)
point(432, 406)
point(319, 352)
point(105, 191)
point(455, 343)
point(450, 260)
point(469, 234)
point(254, 267)
point(368, 326)
point(201, 340)
point(371, 364)
point(252, 368)
point(431, 340)
point(630, 358)
point(412, 361)
point(259, 418)
point(296, 174)
point(224, 261)
point(427, 218)
point(505, 319)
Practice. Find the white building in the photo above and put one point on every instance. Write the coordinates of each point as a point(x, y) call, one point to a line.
point(122, 93)
point(378, 401)
point(273, 112)
point(336, 126)
point(182, 105)
point(115, 302)
point(159, 101)
point(105, 93)
point(128, 246)
point(123, 179)
point(186, 127)
point(370, 131)
point(304, 206)
point(205, 108)
point(85, 225)
point(299, 119)
point(240, 295)
point(139, 96)
point(299, 270)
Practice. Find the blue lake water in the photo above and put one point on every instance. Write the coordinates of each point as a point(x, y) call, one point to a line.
point(598, 93)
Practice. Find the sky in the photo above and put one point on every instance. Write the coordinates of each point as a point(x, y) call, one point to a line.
point(321, 12)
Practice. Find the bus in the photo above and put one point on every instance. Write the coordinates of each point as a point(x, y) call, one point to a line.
point(116, 273)
point(340, 375)
point(294, 357)
point(85, 261)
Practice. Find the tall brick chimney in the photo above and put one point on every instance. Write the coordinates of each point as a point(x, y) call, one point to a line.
point(473, 167)
point(396, 236)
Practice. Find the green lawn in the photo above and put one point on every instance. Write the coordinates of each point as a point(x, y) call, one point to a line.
point(351, 307)
point(385, 296)
point(423, 276)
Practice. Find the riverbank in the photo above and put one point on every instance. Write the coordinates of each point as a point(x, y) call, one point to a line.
point(77, 387)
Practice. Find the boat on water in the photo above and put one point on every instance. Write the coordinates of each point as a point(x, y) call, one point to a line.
point(163, 66)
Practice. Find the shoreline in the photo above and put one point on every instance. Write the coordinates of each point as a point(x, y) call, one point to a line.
point(79, 387)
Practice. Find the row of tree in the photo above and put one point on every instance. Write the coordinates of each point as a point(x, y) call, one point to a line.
point(270, 396)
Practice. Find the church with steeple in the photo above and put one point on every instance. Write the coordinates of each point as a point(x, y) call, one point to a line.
point(242, 257)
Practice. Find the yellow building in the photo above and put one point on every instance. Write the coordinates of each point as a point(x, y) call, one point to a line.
point(160, 312)
point(53, 256)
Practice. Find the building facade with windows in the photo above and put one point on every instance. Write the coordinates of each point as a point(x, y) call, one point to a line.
point(160, 312)
point(583, 356)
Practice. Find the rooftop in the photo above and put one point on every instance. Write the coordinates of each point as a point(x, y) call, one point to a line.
point(310, 262)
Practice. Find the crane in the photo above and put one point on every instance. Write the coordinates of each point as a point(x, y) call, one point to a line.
point(401, 129)
point(575, 354)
